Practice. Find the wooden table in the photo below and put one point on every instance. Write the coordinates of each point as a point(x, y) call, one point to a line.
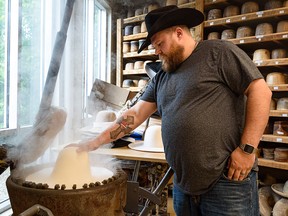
point(126, 153)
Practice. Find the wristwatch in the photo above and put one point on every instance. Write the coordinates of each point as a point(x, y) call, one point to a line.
point(247, 148)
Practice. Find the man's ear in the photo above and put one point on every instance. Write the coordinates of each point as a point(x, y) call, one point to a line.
point(179, 32)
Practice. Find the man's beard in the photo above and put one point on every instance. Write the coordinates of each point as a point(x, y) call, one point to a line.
point(172, 60)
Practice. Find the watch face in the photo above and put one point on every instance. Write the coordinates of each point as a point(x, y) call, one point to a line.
point(248, 149)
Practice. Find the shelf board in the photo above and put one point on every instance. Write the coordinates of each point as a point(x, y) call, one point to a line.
point(135, 36)
point(144, 53)
point(274, 138)
point(272, 62)
point(134, 19)
point(247, 17)
point(134, 72)
point(272, 164)
point(188, 5)
point(280, 87)
point(134, 89)
point(260, 38)
point(279, 113)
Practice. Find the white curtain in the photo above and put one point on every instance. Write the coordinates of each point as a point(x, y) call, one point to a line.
point(69, 92)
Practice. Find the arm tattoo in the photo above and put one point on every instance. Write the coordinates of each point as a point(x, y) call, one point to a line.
point(124, 124)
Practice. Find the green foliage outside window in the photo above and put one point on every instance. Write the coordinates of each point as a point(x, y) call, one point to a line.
point(29, 54)
point(29, 61)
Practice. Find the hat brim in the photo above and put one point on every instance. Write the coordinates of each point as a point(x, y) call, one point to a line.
point(182, 16)
point(278, 189)
point(139, 146)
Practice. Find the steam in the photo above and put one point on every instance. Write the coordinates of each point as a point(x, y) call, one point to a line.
point(30, 146)
point(27, 147)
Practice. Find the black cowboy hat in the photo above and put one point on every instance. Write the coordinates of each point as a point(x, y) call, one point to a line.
point(165, 17)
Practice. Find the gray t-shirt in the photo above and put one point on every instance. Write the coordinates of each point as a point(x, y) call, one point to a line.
point(202, 107)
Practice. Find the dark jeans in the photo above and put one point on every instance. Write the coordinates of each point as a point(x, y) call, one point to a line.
point(227, 197)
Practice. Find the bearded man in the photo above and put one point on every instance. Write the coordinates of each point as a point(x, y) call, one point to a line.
point(214, 105)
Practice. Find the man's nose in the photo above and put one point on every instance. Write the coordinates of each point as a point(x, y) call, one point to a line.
point(157, 51)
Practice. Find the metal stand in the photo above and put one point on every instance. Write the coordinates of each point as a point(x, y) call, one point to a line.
point(153, 197)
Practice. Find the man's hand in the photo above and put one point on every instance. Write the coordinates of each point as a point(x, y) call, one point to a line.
point(85, 145)
point(240, 164)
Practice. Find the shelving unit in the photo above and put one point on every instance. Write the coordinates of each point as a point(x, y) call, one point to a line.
point(272, 164)
point(248, 44)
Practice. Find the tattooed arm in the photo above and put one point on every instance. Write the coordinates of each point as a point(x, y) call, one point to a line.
point(127, 122)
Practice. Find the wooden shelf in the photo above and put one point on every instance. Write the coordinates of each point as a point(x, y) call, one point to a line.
point(188, 5)
point(279, 113)
point(247, 17)
point(135, 36)
point(134, 72)
point(272, 62)
point(282, 87)
point(272, 164)
point(134, 89)
point(260, 38)
point(273, 138)
point(144, 53)
point(134, 19)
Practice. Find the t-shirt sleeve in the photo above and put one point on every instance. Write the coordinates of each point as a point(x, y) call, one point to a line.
point(236, 68)
point(149, 94)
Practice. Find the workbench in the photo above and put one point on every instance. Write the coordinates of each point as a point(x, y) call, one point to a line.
point(126, 153)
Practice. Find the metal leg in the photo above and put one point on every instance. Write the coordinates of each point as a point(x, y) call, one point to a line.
point(156, 193)
point(136, 171)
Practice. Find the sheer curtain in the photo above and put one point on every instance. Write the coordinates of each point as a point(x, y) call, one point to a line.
point(86, 57)
point(69, 93)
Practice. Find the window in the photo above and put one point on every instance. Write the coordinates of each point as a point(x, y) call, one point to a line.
point(28, 33)
point(28, 29)
point(97, 45)
point(25, 38)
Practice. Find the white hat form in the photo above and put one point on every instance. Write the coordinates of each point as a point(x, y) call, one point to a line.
point(152, 140)
point(103, 120)
point(105, 116)
point(71, 168)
